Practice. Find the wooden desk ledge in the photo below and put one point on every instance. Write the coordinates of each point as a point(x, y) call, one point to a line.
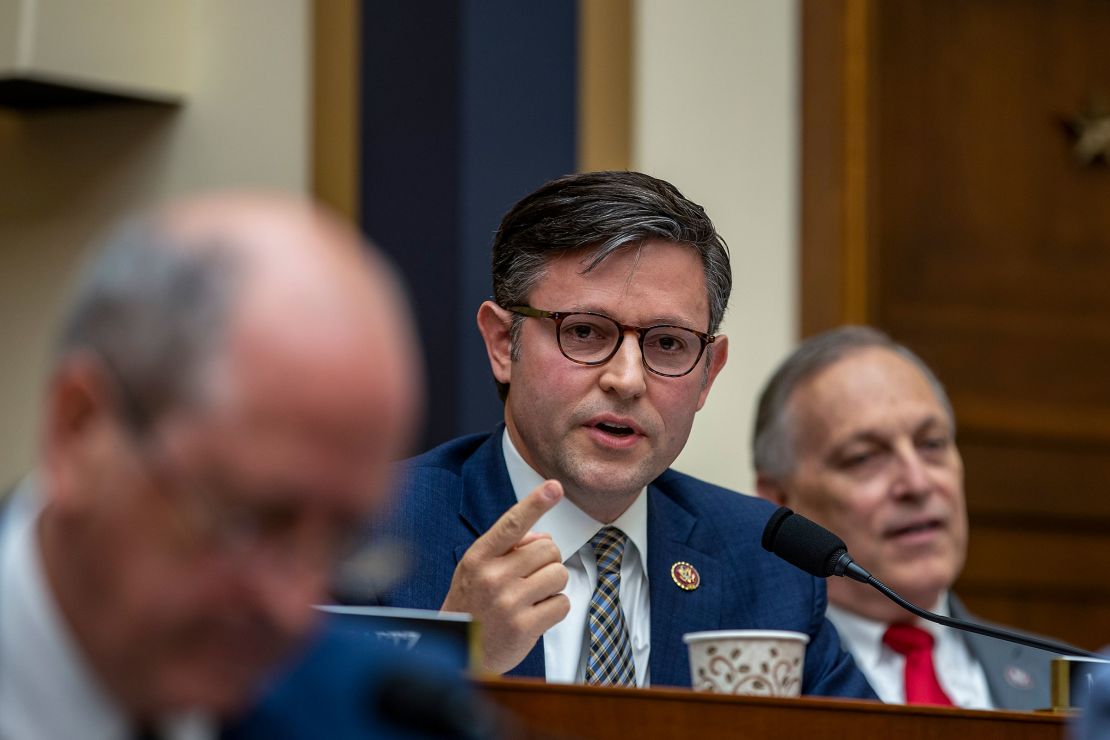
point(570, 711)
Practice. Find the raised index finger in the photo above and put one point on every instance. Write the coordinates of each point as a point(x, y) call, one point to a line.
point(507, 531)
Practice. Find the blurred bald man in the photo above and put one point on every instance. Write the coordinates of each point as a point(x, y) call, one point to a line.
point(855, 432)
point(234, 377)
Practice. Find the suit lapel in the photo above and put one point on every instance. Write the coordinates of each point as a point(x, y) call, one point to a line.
point(1017, 676)
point(487, 493)
point(673, 538)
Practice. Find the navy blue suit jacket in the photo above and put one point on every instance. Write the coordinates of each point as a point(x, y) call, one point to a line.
point(346, 686)
point(452, 494)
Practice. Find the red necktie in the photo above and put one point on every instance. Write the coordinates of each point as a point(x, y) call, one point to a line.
point(922, 686)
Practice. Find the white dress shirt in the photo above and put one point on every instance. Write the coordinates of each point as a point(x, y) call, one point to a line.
point(566, 646)
point(47, 689)
point(960, 674)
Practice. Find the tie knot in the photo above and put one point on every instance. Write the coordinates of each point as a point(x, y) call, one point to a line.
point(906, 639)
point(608, 545)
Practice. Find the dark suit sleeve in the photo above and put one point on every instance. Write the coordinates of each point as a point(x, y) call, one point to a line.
point(344, 687)
point(422, 535)
point(1094, 719)
point(757, 589)
point(829, 669)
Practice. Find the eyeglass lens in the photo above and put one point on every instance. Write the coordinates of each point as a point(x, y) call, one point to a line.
point(588, 338)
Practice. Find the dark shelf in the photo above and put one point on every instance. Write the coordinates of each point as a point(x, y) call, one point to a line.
point(29, 94)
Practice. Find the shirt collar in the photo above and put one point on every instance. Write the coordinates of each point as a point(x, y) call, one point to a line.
point(47, 656)
point(866, 635)
point(54, 673)
point(570, 527)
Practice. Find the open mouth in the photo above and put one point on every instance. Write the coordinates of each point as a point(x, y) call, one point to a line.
point(616, 430)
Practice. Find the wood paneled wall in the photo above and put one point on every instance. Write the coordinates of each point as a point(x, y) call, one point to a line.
point(943, 202)
point(335, 111)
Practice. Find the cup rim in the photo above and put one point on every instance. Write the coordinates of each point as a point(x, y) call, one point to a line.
point(692, 637)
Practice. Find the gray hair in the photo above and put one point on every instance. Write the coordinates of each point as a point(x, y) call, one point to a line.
point(773, 439)
point(154, 312)
point(600, 213)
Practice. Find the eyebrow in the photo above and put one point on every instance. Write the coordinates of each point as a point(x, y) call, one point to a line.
point(872, 434)
point(654, 321)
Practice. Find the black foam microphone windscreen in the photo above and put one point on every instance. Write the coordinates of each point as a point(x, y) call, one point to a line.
point(802, 543)
point(430, 705)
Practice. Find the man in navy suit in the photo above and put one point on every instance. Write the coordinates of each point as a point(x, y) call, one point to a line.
point(563, 531)
point(234, 378)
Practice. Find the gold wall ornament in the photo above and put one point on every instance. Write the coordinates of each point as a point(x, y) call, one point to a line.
point(1090, 132)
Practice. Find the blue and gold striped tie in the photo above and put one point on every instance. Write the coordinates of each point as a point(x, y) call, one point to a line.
point(610, 659)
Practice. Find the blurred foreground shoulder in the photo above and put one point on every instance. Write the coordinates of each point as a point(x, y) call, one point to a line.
point(346, 687)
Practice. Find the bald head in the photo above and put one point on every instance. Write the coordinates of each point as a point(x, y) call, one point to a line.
point(236, 375)
point(315, 308)
point(173, 296)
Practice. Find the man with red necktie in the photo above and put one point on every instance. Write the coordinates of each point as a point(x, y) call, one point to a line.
point(855, 432)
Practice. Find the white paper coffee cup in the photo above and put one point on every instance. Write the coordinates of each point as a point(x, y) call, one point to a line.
point(747, 662)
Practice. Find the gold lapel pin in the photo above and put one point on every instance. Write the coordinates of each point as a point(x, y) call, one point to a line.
point(685, 576)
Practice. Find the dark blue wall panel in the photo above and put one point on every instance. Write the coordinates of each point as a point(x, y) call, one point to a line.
point(466, 107)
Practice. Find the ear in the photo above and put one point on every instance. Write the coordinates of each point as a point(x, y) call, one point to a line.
point(771, 490)
point(494, 323)
point(78, 407)
point(718, 358)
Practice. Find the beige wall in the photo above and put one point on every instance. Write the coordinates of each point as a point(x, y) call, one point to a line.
point(714, 110)
point(65, 175)
point(714, 85)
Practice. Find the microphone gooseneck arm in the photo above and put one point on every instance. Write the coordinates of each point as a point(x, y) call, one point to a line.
point(849, 569)
point(809, 546)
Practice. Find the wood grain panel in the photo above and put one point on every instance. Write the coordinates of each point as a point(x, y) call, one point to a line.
point(335, 63)
point(1008, 375)
point(1078, 622)
point(1018, 479)
point(604, 85)
point(1062, 563)
point(836, 83)
point(1047, 581)
point(988, 252)
point(546, 711)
